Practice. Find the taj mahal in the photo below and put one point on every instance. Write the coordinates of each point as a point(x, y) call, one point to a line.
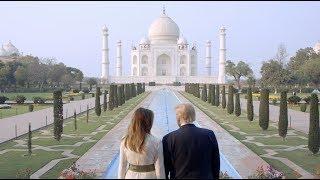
point(164, 56)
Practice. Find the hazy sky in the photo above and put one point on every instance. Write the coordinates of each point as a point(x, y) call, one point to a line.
point(71, 31)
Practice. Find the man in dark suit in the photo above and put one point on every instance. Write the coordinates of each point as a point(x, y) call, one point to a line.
point(190, 151)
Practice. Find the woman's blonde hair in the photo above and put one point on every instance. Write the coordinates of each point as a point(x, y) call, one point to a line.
point(139, 127)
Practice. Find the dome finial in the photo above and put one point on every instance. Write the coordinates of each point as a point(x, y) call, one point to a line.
point(163, 9)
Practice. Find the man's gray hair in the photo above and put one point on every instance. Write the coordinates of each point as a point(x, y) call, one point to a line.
point(186, 112)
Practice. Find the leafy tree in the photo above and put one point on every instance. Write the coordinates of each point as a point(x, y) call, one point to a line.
point(217, 98)
point(237, 110)
point(237, 71)
point(57, 114)
point(283, 115)
point(249, 105)
point(91, 82)
point(97, 102)
point(20, 75)
point(314, 134)
point(230, 106)
point(31, 107)
point(311, 70)
point(223, 99)
point(264, 109)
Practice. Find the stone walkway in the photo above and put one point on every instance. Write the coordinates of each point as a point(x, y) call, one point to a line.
point(299, 120)
point(102, 153)
point(39, 119)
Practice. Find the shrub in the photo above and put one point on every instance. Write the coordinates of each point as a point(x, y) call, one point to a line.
point(264, 109)
point(314, 134)
point(75, 90)
point(86, 90)
point(3, 99)
point(303, 107)
point(92, 94)
point(31, 107)
point(274, 101)
point(83, 96)
point(294, 99)
point(176, 83)
point(20, 99)
point(269, 173)
point(249, 105)
point(152, 83)
point(38, 100)
point(230, 106)
point(71, 98)
point(283, 115)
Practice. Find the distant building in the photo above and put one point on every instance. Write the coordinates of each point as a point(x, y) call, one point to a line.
point(8, 52)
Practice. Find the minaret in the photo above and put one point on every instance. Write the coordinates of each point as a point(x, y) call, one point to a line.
point(208, 58)
point(105, 56)
point(119, 60)
point(222, 56)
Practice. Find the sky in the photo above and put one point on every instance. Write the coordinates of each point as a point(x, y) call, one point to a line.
point(71, 31)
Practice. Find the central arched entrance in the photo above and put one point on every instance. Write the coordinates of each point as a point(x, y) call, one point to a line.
point(164, 65)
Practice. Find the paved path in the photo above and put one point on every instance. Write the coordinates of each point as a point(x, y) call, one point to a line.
point(103, 152)
point(102, 155)
point(14, 126)
point(299, 120)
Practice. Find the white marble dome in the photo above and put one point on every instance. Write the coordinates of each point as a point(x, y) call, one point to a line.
point(164, 30)
point(10, 48)
point(317, 47)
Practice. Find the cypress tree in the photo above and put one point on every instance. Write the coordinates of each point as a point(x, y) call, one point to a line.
point(75, 119)
point(87, 113)
point(198, 90)
point(144, 87)
point(237, 110)
point(115, 98)
point(119, 95)
point(249, 105)
point(123, 98)
point(314, 134)
point(223, 98)
point(264, 109)
point(97, 105)
point(57, 114)
point(217, 98)
point(210, 93)
point(204, 93)
point(283, 115)
point(133, 90)
point(111, 97)
point(213, 99)
point(29, 140)
point(230, 106)
point(105, 104)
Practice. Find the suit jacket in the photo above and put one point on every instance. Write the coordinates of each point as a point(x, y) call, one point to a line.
point(191, 152)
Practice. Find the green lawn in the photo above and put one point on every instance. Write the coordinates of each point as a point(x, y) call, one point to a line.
point(13, 161)
point(20, 109)
point(270, 138)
